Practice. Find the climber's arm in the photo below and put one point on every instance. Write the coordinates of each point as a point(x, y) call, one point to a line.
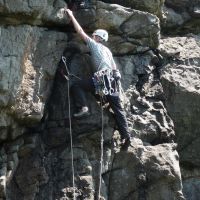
point(77, 26)
point(114, 67)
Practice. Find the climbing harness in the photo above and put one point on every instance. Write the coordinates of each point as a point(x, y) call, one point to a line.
point(70, 127)
point(105, 83)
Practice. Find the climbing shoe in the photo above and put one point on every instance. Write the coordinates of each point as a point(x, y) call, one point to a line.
point(84, 111)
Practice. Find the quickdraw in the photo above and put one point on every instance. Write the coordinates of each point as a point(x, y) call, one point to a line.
point(104, 82)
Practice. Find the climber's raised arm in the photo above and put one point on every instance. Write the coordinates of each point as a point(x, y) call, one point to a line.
point(77, 26)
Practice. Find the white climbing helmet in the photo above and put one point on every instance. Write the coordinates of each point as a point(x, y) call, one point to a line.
point(102, 34)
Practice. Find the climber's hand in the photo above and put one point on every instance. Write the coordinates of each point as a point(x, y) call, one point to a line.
point(68, 12)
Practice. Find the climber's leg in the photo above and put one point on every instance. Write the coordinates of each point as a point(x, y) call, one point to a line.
point(120, 116)
point(78, 91)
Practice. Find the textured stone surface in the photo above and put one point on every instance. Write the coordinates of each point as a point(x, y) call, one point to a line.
point(144, 31)
point(128, 184)
point(27, 66)
point(154, 7)
point(180, 79)
point(184, 10)
point(181, 85)
point(35, 136)
point(31, 12)
point(173, 19)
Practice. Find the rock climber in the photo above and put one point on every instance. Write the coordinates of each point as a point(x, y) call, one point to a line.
point(103, 59)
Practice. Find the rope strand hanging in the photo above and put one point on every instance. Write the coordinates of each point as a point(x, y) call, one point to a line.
point(71, 143)
point(102, 128)
point(101, 153)
point(70, 128)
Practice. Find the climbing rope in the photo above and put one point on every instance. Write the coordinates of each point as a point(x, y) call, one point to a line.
point(70, 128)
point(68, 73)
point(71, 142)
point(101, 89)
point(101, 155)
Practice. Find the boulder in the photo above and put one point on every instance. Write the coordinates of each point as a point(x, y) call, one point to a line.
point(180, 80)
point(139, 28)
point(31, 12)
point(137, 176)
point(154, 7)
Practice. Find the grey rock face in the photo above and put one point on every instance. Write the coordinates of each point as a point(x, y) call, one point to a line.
point(179, 4)
point(186, 13)
point(180, 80)
point(154, 7)
point(135, 183)
point(27, 63)
point(31, 12)
point(123, 21)
point(41, 157)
